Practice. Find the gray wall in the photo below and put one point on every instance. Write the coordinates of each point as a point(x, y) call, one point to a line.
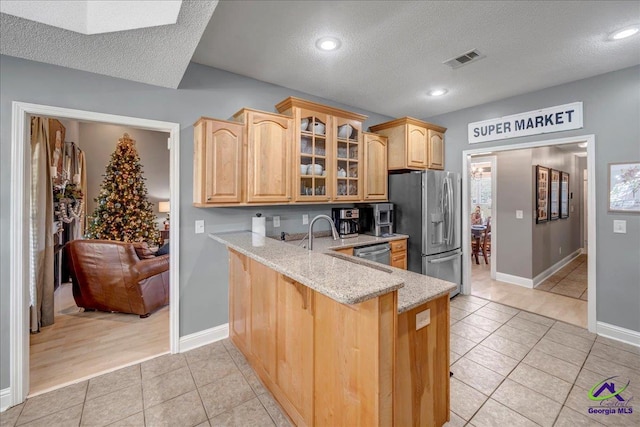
point(98, 141)
point(204, 91)
point(611, 111)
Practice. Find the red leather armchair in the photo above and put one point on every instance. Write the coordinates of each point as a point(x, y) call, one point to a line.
point(110, 276)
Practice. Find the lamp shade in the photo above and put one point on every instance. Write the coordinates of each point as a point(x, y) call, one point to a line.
point(163, 207)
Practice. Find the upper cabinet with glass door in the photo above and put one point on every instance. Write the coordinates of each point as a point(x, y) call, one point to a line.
point(328, 151)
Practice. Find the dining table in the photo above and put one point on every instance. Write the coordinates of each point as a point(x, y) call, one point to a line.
point(476, 234)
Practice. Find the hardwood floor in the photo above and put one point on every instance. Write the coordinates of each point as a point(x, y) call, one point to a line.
point(82, 345)
point(559, 307)
point(570, 280)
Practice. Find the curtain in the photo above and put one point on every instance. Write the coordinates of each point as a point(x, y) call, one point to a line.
point(41, 284)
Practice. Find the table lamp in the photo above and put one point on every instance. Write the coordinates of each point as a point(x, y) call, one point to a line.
point(164, 207)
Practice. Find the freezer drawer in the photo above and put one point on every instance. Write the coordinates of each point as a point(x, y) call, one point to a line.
point(446, 266)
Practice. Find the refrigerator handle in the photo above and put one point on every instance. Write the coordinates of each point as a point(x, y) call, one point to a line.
point(445, 212)
point(445, 259)
point(451, 208)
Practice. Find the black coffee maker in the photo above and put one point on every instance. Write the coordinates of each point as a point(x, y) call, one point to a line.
point(346, 221)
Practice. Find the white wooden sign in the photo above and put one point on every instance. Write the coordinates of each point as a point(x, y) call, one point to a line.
point(547, 120)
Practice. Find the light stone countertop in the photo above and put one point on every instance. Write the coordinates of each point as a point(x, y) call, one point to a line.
point(343, 278)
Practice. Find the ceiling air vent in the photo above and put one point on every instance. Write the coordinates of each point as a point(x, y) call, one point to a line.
point(464, 59)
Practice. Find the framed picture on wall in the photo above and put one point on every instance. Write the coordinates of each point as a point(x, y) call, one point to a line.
point(564, 195)
point(554, 192)
point(542, 194)
point(624, 187)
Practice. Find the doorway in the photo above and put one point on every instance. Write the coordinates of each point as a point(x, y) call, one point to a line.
point(20, 265)
point(520, 292)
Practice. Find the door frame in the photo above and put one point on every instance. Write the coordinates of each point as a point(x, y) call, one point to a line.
point(494, 212)
point(591, 212)
point(19, 229)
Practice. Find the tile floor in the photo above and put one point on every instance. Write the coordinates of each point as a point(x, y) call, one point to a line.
point(511, 368)
point(570, 280)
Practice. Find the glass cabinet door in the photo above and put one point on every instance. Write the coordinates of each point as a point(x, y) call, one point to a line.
point(312, 154)
point(348, 159)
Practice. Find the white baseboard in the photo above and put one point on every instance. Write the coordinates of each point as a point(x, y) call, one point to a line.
point(208, 336)
point(514, 280)
point(5, 399)
point(583, 251)
point(555, 267)
point(617, 333)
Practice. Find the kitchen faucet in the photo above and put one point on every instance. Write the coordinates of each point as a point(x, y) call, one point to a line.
point(333, 228)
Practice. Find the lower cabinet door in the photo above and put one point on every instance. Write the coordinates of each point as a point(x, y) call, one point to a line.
point(295, 345)
point(263, 317)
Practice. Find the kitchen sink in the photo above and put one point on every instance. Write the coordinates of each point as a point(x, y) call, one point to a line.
point(359, 261)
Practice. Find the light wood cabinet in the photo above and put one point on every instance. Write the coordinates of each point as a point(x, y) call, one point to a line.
point(376, 182)
point(263, 316)
point(268, 138)
point(239, 300)
point(217, 162)
point(399, 254)
point(346, 251)
point(413, 144)
point(330, 138)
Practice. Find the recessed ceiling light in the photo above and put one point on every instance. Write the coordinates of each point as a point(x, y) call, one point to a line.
point(624, 33)
point(328, 43)
point(437, 92)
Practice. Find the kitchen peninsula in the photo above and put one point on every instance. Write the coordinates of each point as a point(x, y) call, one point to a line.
point(336, 339)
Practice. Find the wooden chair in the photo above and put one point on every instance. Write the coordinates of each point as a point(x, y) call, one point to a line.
point(486, 243)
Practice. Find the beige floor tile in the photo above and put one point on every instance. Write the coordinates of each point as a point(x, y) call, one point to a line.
point(248, 414)
point(254, 381)
point(454, 421)
point(546, 285)
point(167, 386)
point(537, 380)
point(465, 305)
point(162, 365)
point(579, 401)
point(506, 347)
point(494, 315)
point(585, 296)
point(477, 376)
point(567, 291)
point(531, 317)
point(469, 332)
point(135, 420)
point(533, 328)
point(503, 308)
point(617, 355)
point(66, 417)
point(494, 414)
point(465, 400)
point(569, 340)
point(570, 418)
point(574, 330)
point(9, 417)
point(460, 345)
point(453, 356)
point(560, 351)
point(49, 403)
point(552, 365)
point(107, 383)
point(457, 314)
point(237, 356)
point(527, 402)
point(112, 407)
point(206, 370)
point(618, 344)
point(206, 351)
point(275, 411)
point(587, 379)
point(472, 299)
point(574, 282)
point(491, 359)
point(183, 410)
point(204, 424)
point(517, 335)
point(607, 368)
point(481, 322)
point(225, 393)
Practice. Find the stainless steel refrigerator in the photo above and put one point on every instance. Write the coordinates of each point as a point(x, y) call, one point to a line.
point(427, 208)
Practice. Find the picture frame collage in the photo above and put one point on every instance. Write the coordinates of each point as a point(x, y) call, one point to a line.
point(552, 194)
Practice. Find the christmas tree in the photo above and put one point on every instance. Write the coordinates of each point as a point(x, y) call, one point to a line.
point(123, 212)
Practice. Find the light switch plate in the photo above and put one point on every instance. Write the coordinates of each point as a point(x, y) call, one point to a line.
point(276, 221)
point(305, 219)
point(619, 226)
point(423, 319)
point(200, 226)
point(519, 214)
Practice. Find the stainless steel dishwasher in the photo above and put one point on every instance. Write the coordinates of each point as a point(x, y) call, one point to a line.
point(379, 253)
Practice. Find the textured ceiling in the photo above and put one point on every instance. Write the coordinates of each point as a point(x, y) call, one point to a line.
point(157, 56)
point(392, 51)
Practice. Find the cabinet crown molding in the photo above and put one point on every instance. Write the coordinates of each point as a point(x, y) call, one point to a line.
point(406, 121)
point(292, 101)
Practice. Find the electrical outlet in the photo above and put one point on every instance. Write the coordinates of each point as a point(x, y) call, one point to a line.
point(519, 214)
point(276, 221)
point(200, 226)
point(305, 219)
point(619, 226)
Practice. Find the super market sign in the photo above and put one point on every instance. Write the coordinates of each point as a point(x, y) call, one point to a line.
point(547, 120)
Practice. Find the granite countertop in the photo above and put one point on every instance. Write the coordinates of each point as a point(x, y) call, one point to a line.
point(343, 278)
